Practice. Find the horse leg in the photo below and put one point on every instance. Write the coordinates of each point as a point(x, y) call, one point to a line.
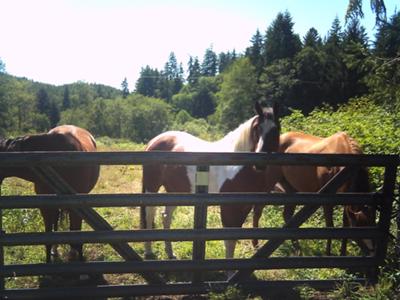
point(343, 248)
point(50, 219)
point(256, 218)
point(167, 218)
point(328, 212)
point(149, 214)
point(288, 211)
point(75, 224)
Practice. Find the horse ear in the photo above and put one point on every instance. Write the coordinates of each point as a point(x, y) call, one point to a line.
point(258, 108)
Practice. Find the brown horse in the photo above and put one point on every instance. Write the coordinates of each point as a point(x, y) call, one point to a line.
point(312, 178)
point(81, 178)
point(259, 133)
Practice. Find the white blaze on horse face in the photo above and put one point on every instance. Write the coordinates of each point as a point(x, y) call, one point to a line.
point(260, 144)
point(217, 176)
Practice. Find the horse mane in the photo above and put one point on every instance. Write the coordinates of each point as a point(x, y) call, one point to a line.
point(240, 138)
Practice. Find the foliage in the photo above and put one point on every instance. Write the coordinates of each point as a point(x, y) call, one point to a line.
point(237, 94)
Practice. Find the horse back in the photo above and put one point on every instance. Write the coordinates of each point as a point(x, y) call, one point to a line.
point(67, 138)
point(312, 178)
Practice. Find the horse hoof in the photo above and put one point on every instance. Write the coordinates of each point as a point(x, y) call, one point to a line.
point(172, 257)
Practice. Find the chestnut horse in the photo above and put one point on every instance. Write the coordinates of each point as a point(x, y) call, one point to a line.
point(259, 133)
point(312, 178)
point(81, 178)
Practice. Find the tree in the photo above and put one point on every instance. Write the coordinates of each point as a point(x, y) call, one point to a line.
point(194, 70)
point(280, 41)
point(238, 92)
point(2, 67)
point(387, 42)
point(66, 104)
point(43, 102)
point(125, 89)
point(278, 83)
point(255, 52)
point(148, 81)
point(355, 33)
point(354, 10)
point(210, 63)
point(54, 114)
point(312, 39)
point(225, 60)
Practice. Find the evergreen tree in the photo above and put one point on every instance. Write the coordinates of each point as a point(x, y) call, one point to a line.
point(148, 82)
point(43, 102)
point(355, 33)
point(280, 41)
point(194, 70)
point(387, 43)
point(225, 60)
point(354, 10)
point(255, 52)
point(210, 63)
point(54, 114)
point(312, 39)
point(2, 67)
point(66, 104)
point(125, 89)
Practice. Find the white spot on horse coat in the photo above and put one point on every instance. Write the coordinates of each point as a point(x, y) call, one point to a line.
point(217, 176)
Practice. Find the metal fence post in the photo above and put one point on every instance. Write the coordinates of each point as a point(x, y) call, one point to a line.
point(200, 217)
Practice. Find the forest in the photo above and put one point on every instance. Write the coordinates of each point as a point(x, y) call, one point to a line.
point(217, 92)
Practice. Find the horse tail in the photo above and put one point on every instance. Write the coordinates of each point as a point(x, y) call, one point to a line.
point(256, 218)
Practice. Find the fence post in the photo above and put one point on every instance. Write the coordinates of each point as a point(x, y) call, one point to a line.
point(2, 232)
point(389, 183)
point(200, 217)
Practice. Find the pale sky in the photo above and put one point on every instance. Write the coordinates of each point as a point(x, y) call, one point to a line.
point(104, 41)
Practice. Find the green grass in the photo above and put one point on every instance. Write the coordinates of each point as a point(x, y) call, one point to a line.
point(127, 179)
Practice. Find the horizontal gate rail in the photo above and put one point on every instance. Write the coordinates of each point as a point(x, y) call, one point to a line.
point(123, 200)
point(17, 239)
point(167, 289)
point(189, 265)
point(22, 159)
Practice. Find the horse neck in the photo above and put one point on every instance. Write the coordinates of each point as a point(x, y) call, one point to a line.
point(11, 145)
point(238, 139)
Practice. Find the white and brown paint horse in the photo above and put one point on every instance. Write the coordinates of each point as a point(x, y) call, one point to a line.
point(312, 178)
point(258, 134)
point(81, 178)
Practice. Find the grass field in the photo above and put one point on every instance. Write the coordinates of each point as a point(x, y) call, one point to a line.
point(127, 179)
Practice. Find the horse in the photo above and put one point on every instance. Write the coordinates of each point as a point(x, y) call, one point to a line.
point(312, 178)
point(260, 133)
point(81, 178)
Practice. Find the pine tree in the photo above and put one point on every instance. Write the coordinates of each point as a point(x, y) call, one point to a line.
point(66, 99)
point(210, 63)
point(387, 43)
point(280, 41)
point(148, 82)
point(312, 39)
point(255, 52)
point(2, 67)
point(125, 89)
point(54, 114)
point(194, 70)
point(43, 102)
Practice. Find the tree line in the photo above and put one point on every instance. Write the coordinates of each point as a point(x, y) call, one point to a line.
point(215, 94)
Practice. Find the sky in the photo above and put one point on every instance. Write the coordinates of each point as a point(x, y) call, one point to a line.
point(105, 41)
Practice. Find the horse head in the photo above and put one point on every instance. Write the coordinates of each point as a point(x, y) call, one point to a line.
point(266, 128)
point(360, 216)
